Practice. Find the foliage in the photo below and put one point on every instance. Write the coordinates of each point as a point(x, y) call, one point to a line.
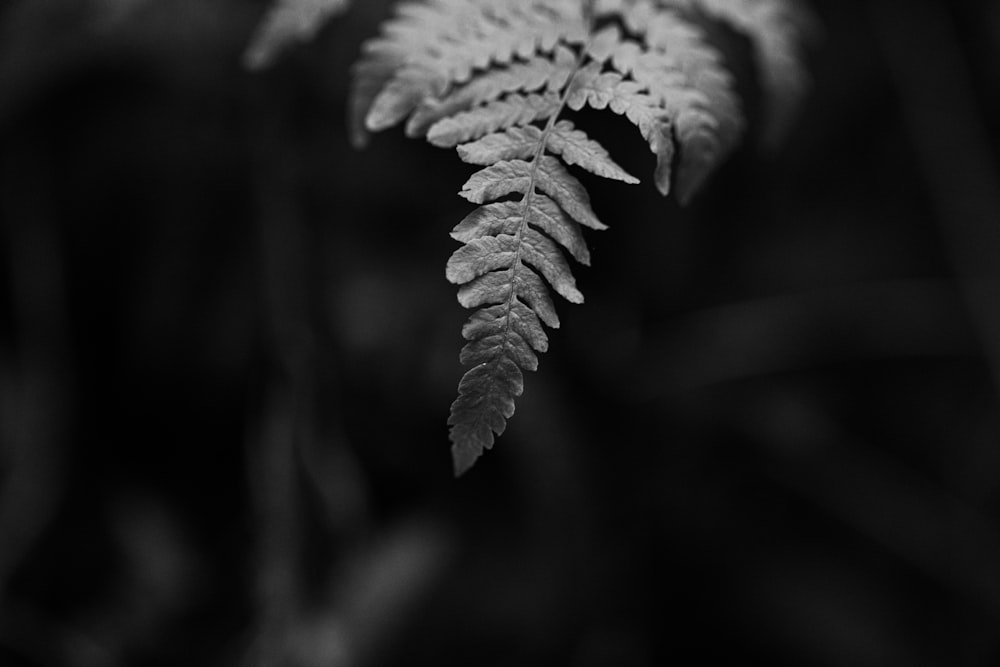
point(495, 81)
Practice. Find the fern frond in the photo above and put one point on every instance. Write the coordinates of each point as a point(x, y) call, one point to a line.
point(493, 80)
point(511, 251)
point(506, 217)
point(506, 254)
point(287, 22)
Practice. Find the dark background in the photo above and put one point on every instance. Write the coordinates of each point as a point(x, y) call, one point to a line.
point(227, 352)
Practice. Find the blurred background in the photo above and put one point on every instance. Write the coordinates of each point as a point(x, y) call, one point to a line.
point(228, 349)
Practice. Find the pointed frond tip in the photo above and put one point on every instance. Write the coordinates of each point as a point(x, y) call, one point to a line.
point(512, 254)
point(493, 80)
point(485, 402)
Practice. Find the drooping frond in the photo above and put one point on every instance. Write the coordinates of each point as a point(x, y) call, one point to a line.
point(493, 80)
point(288, 21)
point(512, 248)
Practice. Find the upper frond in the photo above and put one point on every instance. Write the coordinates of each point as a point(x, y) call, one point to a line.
point(430, 46)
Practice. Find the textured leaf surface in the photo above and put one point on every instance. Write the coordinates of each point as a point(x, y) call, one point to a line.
point(512, 251)
point(287, 22)
point(575, 147)
point(538, 74)
point(505, 218)
point(514, 143)
point(508, 112)
point(485, 402)
point(430, 47)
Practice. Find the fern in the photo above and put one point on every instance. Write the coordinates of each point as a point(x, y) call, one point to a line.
point(494, 80)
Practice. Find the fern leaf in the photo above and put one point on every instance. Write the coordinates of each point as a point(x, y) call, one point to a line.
point(576, 148)
point(287, 22)
point(491, 253)
point(493, 79)
point(518, 176)
point(513, 143)
point(508, 112)
point(485, 402)
point(537, 73)
point(505, 218)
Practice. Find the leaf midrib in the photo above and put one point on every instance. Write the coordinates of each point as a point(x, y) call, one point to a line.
point(526, 202)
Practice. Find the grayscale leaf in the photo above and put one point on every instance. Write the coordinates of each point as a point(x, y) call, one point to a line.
point(513, 143)
point(512, 110)
point(576, 148)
